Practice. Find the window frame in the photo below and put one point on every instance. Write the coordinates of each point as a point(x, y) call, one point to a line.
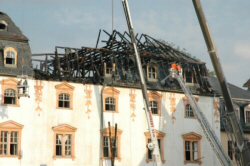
point(64, 130)
point(152, 65)
point(246, 109)
point(109, 68)
point(185, 103)
point(9, 83)
point(12, 49)
point(105, 133)
point(15, 97)
point(110, 103)
point(189, 110)
point(192, 137)
point(64, 100)
point(110, 93)
point(160, 136)
point(64, 88)
point(4, 22)
point(9, 127)
point(156, 97)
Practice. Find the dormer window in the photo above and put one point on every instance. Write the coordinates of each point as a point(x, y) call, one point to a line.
point(189, 77)
point(108, 69)
point(3, 25)
point(152, 72)
point(10, 57)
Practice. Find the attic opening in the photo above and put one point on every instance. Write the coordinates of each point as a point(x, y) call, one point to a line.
point(3, 25)
point(10, 58)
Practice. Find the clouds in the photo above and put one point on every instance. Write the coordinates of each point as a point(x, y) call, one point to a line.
point(242, 49)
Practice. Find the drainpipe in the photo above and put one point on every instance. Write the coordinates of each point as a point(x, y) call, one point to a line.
point(101, 126)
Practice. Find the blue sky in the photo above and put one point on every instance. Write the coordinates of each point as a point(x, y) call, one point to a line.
point(76, 23)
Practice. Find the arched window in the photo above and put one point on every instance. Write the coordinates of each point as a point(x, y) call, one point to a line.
point(3, 25)
point(10, 96)
point(64, 100)
point(110, 104)
point(188, 76)
point(154, 107)
point(189, 111)
point(10, 57)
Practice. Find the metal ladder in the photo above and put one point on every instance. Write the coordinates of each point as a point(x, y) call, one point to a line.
point(207, 129)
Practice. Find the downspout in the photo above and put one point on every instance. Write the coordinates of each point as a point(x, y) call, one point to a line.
point(101, 126)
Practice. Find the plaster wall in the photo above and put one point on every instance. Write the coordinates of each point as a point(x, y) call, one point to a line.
point(37, 142)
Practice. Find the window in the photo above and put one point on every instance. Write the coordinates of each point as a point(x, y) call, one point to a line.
point(108, 69)
point(152, 72)
point(110, 98)
point(64, 93)
point(106, 153)
point(3, 25)
point(188, 77)
point(64, 138)
point(230, 149)
point(10, 96)
point(247, 114)
point(154, 107)
point(192, 151)
point(9, 91)
point(155, 103)
point(160, 137)
point(64, 100)
point(188, 110)
point(10, 139)
point(106, 148)
point(10, 57)
point(110, 104)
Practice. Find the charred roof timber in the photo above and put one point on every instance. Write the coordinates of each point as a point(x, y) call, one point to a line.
point(114, 64)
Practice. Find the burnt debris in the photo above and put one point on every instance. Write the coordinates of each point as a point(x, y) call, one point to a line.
point(114, 64)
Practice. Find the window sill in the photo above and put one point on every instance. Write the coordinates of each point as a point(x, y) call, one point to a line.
point(156, 115)
point(152, 80)
point(10, 156)
point(10, 105)
point(150, 160)
point(8, 65)
point(62, 108)
point(63, 157)
point(193, 162)
point(108, 158)
point(110, 111)
point(190, 117)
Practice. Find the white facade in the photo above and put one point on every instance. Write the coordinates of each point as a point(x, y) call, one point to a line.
point(37, 139)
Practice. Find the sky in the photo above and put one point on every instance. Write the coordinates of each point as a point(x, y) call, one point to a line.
point(76, 23)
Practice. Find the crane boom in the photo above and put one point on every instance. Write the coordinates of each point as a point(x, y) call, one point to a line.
point(238, 133)
point(153, 146)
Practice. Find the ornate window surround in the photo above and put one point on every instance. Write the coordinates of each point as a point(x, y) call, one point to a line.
point(6, 49)
point(185, 102)
point(155, 96)
point(10, 126)
point(192, 137)
point(153, 65)
point(64, 88)
point(111, 92)
point(105, 133)
point(64, 129)
point(9, 83)
point(160, 135)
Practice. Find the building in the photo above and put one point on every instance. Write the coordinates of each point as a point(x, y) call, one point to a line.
point(75, 92)
point(241, 101)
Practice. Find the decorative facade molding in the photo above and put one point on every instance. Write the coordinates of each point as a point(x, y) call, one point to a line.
point(132, 103)
point(111, 92)
point(172, 100)
point(38, 95)
point(216, 112)
point(88, 97)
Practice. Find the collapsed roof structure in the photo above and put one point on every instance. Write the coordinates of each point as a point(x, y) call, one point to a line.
point(114, 64)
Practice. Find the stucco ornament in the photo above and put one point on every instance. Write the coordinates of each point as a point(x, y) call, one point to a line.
point(132, 103)
point(216, 112)
point(38, 95)
point(172, 100)
point(88, 97)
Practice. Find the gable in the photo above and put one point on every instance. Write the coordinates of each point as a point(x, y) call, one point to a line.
point(9, 81)
point(158, 134)
point(191, 135)
point(64, 128)
point(106, 130)
point(154, 94)
point(65, 86)
point(11, 125)
point(185, 99)
point(111, 91)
